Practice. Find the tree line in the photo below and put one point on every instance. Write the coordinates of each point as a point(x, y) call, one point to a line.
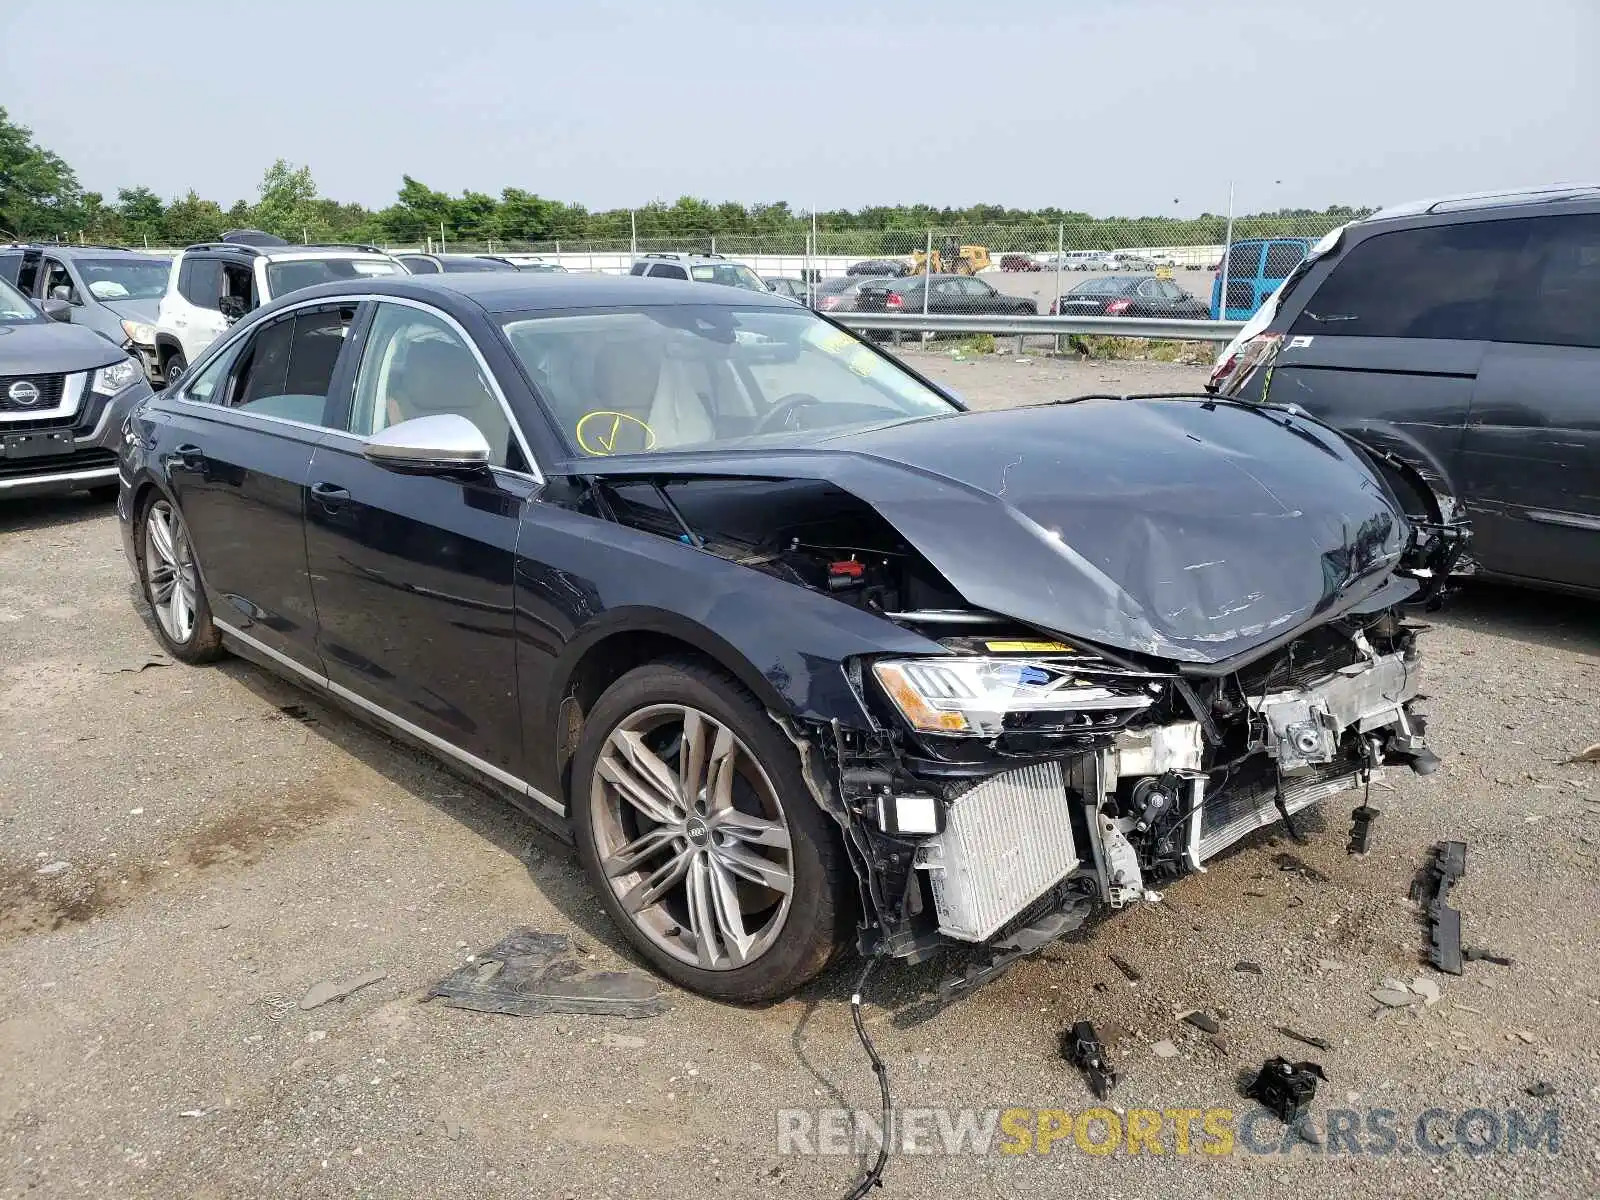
point(41, 199)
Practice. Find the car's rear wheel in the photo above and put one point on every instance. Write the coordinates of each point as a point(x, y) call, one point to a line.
point(697, 828)
point(171, 581)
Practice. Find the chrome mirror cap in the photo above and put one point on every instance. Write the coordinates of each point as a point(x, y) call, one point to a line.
point(429, 445)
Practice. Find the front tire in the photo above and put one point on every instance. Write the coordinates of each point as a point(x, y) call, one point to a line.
point(177, 364)
point(170, 578)
point(697, 828)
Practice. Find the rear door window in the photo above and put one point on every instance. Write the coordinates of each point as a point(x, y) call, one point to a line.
point(288, 369)
point(667, 271)
point(1552, 297)
point(1437, 282)
point(1283, 257)
point(200, 282)
point(1244, 262)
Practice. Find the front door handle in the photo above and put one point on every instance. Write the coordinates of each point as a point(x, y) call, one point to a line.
point(190, 457)
point(330, 495)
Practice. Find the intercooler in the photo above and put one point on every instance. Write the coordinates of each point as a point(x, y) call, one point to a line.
point(1243, 805)
point(1005, 843)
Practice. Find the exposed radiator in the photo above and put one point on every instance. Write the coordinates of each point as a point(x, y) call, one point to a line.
point(1005, 844)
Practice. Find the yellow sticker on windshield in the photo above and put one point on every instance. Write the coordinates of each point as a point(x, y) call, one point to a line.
point(1027, 647)
point(603, 432)
point(864, 363)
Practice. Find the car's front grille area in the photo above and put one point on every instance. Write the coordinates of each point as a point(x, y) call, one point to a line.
point(30, 393)
point(50, 464)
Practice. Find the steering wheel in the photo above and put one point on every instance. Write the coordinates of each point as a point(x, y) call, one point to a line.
point(777, 416)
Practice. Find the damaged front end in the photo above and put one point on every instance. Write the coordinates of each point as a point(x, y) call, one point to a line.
point(1018, 784)
point(1126, 669)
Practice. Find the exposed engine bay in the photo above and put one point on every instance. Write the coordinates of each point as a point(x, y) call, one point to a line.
point(1032, 772)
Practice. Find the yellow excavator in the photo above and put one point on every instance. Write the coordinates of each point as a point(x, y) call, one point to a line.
point(953, 259)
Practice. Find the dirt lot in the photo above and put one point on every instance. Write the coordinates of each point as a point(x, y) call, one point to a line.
point(221, 857)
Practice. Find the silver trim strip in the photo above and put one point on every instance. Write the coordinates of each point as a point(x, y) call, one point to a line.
point(416, 731)
point(1565, 520)
point(221, 344)
point(72, 391)
point(94, 475)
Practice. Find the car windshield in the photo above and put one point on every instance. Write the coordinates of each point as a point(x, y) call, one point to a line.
point(663, 377)
point(14, 305)
point(293, 274)
point(458, 265)
point(125, 279)
point(732, 274)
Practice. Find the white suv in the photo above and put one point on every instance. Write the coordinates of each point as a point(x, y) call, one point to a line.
point(213, 284)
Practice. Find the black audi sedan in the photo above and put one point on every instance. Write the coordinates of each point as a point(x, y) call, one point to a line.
point(789, 644)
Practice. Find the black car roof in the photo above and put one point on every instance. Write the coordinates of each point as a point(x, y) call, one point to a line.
point(515, 291)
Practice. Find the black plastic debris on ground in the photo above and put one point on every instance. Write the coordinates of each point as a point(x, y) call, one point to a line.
point(1296, 865)
point(297, 712)
point(1245, 967)
point(1309, 1039)
point(1285, 1089)
point(1447, 862)
point(1361, 822)
point(529, 974)
point(1129, 971)
point(1081, 1047)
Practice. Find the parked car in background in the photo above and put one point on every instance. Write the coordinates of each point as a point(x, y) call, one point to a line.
point(1256, 268)
point(837, 293)
point(1462, 336)
point(1020, 262)
point(785, 285)
point(434, 264)
point(64, 391)
point(698, 268)
point(1130, 296)
point(116, 293)
point(213, 284)
point(944, 294)
point(800, 654)
point(542, 268)
point(879, 266)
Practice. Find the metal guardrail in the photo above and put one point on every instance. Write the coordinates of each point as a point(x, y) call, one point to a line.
point(1047, 326)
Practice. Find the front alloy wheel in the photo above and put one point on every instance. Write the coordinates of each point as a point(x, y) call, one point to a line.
point(695, 823)
point(171, 581)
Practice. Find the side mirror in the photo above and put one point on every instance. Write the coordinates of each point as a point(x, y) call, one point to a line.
point(56, 310)
point(433, 445)
point(62, 292)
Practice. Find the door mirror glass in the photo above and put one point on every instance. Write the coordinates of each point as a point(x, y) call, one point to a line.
point(431, 445)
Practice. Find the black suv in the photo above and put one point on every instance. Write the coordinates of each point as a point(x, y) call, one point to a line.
point(1462, 335)
point(64, 392)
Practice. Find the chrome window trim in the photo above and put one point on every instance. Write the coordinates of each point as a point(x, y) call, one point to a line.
point(220, 345)
point(438, 743)
point(73, 388)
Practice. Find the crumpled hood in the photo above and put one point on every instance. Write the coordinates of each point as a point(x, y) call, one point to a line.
point(1167, 527)
point(1193, 532)
point(51, 347)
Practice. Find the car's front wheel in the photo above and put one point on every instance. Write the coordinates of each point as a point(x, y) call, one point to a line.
point(177, 364)
point(171, 581)
point(695, 823)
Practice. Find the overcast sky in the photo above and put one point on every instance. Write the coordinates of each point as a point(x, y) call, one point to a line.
point(1126, 107)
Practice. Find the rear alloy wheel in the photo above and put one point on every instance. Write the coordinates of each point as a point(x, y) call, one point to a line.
point(695, 823)
point(172, 585)
point(176, 366)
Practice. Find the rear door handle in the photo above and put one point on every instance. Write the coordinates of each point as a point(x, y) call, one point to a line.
point(330, 495)
point(190, 457)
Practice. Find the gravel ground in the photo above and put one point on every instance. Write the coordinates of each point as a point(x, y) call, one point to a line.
point(222, 857)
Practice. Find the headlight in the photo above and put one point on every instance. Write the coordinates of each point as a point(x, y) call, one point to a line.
point(108, 381)
point(139, 333)
point(983, 697)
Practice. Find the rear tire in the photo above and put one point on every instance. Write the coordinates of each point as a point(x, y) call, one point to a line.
point(697, 829)
point(177, 364)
